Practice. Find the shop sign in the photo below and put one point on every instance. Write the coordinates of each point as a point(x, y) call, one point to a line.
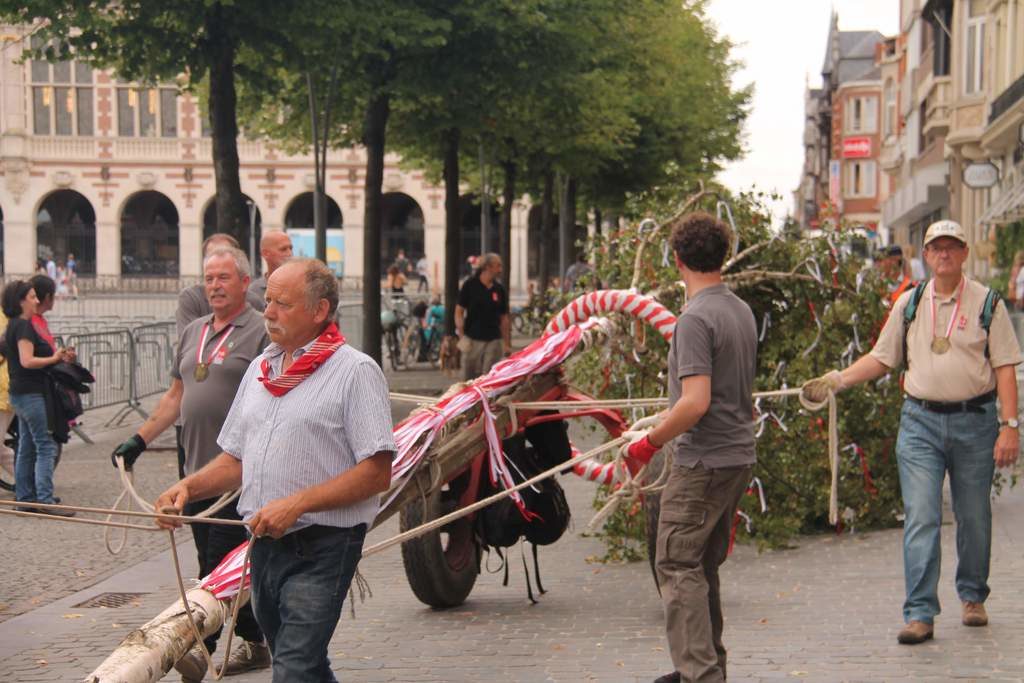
point(857, 148)
point(981, 175)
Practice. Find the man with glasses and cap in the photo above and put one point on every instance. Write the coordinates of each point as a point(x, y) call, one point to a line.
point(954, 337)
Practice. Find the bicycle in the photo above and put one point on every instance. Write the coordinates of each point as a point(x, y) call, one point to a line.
point(423, 339)
point(395, 323)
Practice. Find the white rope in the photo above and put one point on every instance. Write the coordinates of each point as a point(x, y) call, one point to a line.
point(632, 486)
point(128, 491)
point(469, 509)
point(412, 398)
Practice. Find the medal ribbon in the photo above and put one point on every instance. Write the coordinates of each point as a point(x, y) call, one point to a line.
point(952, 318)
point(202, 343)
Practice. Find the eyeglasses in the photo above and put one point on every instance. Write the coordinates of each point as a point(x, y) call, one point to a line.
point(949, 248)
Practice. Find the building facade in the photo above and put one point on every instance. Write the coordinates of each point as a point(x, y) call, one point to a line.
point(917, 96)
point(841, 174)
point(121, 176)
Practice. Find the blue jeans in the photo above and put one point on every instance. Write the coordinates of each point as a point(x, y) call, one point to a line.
point(929, 445)
point(299, 584)
point(37, 451)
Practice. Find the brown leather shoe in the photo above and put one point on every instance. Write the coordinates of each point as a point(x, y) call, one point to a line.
point(974, 614)
point(247, 657)
point(916, 632)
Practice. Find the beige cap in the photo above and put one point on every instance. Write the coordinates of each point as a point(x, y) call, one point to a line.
point(945, 228)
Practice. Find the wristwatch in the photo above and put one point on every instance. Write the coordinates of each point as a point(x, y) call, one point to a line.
point(1012, 423)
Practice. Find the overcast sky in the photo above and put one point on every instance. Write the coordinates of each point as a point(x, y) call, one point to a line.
point(781, 44)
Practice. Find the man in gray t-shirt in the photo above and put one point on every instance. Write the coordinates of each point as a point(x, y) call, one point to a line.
point(716, 336)
point(711, 366)
point(214, 352)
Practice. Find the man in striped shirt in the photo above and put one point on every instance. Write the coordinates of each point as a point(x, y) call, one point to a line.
point(309, 441)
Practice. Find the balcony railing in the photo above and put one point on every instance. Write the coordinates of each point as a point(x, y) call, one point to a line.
point(173, 150)
point(1006, 99)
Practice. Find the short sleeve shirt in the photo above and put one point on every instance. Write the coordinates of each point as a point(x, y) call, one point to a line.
point(205, 404)
point(337, 417)
point(963, 372)
point(25, 380)
point(484, 308)
point(716, 336)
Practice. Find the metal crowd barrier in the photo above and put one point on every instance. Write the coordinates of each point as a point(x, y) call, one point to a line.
point(154, 358)
point(110, 356)
point(350, 322)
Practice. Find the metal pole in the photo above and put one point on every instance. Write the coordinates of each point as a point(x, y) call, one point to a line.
point(252, 237)
point(485, 214)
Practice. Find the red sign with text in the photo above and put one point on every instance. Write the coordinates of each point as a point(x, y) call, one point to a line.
point(857, 148)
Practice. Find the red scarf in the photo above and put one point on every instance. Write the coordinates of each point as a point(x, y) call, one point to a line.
point(329, 341)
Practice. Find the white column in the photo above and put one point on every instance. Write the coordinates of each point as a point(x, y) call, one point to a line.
point(520, 247)
point(108, 241)
point(354, 235)
point(433, 246)
point(190, 242)
point(19, 239)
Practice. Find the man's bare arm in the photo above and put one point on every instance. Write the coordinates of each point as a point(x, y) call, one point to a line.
point(687, 411)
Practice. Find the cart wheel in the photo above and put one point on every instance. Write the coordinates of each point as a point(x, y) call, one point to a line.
point(652, 509)
point(441, 566)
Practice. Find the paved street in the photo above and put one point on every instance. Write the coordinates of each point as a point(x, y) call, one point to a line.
point(826, 610)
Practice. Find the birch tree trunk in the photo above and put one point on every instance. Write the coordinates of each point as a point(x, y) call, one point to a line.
point(149, 652)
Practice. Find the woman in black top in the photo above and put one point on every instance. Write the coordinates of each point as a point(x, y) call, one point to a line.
point(27, 356)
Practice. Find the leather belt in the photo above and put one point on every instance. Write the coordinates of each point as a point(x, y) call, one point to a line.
point(971, 405)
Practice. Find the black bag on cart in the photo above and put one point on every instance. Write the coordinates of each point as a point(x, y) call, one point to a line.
point(502, 525)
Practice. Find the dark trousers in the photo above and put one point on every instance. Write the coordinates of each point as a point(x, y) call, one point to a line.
point(299, 584)
point(213, 543)
point(181, 452)
point(697, 509)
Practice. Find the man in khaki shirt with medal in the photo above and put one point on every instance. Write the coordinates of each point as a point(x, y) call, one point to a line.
point(955, 371)
point(214, 351)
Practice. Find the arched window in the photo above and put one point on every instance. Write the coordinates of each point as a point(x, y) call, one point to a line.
point(210, 227)
point(65, 225)
point(149, 236)
point(300, 212)
point(401, 227)
point(298, 221)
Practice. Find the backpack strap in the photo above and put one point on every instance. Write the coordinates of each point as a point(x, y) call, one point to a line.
point(909, 313)
point(988, 311)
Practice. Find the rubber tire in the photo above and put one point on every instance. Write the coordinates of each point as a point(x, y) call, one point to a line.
point(652, 509)
point(394, 348)
point(438, 578)
point(411, 347)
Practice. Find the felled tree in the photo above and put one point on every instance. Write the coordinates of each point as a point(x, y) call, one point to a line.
point(817, 307)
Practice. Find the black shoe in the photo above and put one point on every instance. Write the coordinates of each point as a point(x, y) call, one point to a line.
point(56, 513)
point(22, 508)
point(673, 677)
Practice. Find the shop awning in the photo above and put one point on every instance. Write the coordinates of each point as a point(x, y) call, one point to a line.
point(1008, 208)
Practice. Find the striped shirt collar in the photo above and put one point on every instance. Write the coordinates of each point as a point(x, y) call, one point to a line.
point(275, 355)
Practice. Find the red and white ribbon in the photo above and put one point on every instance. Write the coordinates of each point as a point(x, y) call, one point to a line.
point(590, 304)
point(223, 581)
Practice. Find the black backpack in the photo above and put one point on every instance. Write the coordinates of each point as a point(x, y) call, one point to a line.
point(501, 525)
point(988, 311)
